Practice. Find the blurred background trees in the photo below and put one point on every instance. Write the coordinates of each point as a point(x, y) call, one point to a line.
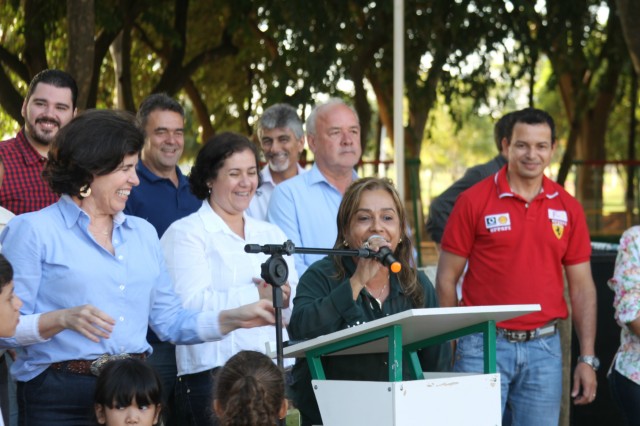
point(466, 63)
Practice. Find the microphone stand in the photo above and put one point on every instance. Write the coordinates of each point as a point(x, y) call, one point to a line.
point(275, 272)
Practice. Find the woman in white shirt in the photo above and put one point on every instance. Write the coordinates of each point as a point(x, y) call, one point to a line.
point(205, 256)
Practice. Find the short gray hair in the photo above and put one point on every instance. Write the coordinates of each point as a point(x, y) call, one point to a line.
point(280, 116)
point(311, 120)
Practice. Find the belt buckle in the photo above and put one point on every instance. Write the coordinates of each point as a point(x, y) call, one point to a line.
point(517, 336)
point(547, 329)
point(98, 364)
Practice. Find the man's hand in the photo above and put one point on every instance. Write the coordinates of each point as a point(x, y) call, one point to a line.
point(585, 384)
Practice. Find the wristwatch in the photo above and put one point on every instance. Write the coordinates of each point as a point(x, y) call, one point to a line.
point(591, 360)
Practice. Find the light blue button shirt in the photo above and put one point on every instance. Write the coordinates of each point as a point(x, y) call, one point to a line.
point(58, 264)
point(305, 208)
point(260, 202)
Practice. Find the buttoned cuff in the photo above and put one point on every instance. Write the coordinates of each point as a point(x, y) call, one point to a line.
point(208, 326)
point(28, 330)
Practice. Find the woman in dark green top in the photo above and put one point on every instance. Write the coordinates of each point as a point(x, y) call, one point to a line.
point(340, 292)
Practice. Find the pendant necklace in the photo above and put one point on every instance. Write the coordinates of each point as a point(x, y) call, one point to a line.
point(379, 294)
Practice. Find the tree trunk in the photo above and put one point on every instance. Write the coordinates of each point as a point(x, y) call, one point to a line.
point(201, 110)
point(80, 57)
point(116, 56)
point(629, 12)
point(35, 54)
point(593, 132)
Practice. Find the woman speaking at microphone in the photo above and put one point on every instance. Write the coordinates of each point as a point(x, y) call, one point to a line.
point(340, 292)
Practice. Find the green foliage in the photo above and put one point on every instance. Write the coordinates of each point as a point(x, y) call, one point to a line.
point(449, 149)
point(466, 62)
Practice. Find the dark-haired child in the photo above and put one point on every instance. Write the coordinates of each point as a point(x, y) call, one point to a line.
point(9, 305)
point(128, 391)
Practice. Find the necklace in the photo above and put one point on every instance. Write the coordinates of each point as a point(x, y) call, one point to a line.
point(99, 231)
point(379, 294)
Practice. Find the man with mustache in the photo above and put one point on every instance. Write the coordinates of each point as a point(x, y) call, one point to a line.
point(305, 207)
point(162, 197)
point(282, 140)
point(49, 105)
point(520, 232)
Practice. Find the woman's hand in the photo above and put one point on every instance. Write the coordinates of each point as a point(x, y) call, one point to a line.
point(367, 269)
point(87, 320)
point(266, 291)
point(247, 316)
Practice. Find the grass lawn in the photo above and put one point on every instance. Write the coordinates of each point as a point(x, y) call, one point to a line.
point(293, 418)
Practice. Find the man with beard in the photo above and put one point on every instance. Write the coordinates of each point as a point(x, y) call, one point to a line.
point(282, 140)
point(162, 197)
point(49, 105)
point(305, 207)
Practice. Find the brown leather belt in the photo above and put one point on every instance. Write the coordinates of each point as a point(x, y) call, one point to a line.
point(90, 367)
point(519, 336)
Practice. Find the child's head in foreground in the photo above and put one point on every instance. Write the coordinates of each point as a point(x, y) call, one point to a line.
point(128, 391)
point(10, 304)
point(249, 391)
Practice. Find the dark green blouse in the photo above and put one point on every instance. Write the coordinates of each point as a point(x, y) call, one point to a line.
point(324, 304)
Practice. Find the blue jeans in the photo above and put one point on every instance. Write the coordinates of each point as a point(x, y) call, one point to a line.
point(55, 398)
point(194, 399)
point(163, 359)
point(530, 376)
point(626, 394)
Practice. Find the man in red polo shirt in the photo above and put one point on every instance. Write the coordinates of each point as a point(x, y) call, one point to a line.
point(49, 105)
point(518, 230)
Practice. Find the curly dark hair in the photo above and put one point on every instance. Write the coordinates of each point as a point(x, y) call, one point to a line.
point(408, 276)
point(249, 390)
point(211, 158)
point(94, 143)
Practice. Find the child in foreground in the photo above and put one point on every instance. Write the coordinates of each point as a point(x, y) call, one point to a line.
point(128, 391)
point(10, 304)
point(250, 391)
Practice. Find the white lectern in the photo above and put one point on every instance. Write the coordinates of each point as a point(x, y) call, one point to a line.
point(429, 399)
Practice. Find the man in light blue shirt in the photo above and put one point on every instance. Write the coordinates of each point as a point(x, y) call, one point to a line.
point(282, 140)
point(305, 207)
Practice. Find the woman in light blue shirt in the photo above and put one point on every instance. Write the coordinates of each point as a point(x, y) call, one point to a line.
point(84, 252)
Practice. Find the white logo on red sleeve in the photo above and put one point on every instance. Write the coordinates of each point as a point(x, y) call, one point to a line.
point(498, 222)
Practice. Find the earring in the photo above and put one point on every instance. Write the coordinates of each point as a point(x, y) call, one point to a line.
point(85, 191)
point(400, 241)
point(345, 243)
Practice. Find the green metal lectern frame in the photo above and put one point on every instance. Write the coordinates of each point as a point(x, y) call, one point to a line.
point(399, 352)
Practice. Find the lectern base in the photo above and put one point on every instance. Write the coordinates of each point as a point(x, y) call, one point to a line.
point(449, 399)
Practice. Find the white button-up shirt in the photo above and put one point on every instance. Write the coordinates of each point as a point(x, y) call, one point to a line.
point(209, 267)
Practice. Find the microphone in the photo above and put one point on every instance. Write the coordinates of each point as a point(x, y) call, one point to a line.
point(385, 256)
